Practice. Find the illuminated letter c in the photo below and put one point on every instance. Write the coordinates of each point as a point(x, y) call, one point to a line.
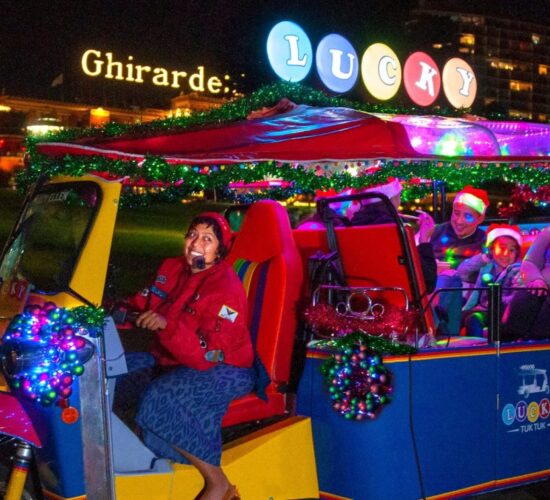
point(383, 70)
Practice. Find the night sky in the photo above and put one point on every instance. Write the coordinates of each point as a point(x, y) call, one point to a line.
point(40, 40)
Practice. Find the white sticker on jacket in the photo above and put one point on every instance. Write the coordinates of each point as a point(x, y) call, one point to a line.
point(227, 313)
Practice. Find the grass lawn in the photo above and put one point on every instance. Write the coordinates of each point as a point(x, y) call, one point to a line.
point(143, 237)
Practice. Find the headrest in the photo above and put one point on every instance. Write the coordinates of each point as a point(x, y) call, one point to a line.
point(264, 232)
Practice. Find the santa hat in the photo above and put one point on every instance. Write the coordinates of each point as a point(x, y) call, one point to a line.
point(223, 224)
point(391, 188)
point(476, 199)
point(495, 231)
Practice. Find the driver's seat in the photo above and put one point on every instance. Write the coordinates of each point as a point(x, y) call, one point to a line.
point(266, 259)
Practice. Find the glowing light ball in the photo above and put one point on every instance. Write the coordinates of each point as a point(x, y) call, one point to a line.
point(289, 51)
point(337, 63)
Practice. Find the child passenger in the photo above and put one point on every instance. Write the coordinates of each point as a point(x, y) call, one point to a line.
point(499, 265)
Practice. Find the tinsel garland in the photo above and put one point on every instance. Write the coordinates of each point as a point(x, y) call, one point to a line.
point(379, 345)
point(358, 382)
point(523, 196)
point(394, 323)
point(177, 181)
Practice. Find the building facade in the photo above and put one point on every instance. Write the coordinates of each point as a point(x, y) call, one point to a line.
point(510, 55)
point(21, 115)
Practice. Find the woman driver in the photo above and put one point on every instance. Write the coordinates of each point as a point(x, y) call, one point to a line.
point(197, 309)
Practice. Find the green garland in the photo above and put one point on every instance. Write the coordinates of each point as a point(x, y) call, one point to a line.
point(177, 181)
point(380, 345)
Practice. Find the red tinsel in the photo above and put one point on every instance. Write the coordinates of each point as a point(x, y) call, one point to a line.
point(395, 322)
point(522, 196)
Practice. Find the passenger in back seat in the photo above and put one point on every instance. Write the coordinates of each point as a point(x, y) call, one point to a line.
point(453, 242)
point(499, 265)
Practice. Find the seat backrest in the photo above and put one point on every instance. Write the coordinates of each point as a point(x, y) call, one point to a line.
point(266, 259)
point(372, 256)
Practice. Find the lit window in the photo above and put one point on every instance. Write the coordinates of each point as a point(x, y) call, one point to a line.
point(543, 118)
point(543, 69)
point(502, 65)
point(515, 113)
point(520, 86)
point(468, 39)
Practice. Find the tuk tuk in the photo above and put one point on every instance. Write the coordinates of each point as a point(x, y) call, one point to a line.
point(454, 425)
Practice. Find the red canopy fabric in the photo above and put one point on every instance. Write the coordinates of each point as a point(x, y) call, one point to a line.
point(303, 134)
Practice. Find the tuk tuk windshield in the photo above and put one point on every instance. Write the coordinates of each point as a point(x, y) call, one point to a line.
point(47, 241)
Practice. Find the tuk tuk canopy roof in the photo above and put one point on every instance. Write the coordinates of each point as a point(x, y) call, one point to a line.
point(311, 134)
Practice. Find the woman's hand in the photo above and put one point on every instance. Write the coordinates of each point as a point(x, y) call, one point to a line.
point(426, 227)
point(151, 320)
point(533, 285)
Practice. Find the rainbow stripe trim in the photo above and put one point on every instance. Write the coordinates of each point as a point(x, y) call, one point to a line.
point(447, 353)
point(253, 276)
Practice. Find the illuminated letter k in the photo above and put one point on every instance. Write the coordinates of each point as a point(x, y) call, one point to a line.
point(426, 81)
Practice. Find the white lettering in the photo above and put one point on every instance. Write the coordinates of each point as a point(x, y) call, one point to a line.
point(426, 81)
point(98, 64)
point(383, 65)
point(294, 56)
point(193, 85)
point(175, 78)
point(139, 70)
point(337, 64)
point(467, 78)
point(161, 77)
point(130, 70)
point(110, 65)
point(214, 84)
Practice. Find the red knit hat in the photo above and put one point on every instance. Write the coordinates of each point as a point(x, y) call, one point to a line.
point(476, 199)
point(223, 224)
point(495, 231)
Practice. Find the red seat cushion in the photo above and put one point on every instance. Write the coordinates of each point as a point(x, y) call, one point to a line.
point(265, 257)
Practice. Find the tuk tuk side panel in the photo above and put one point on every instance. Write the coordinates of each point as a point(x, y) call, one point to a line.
point(453, 401)
point(523, 419)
